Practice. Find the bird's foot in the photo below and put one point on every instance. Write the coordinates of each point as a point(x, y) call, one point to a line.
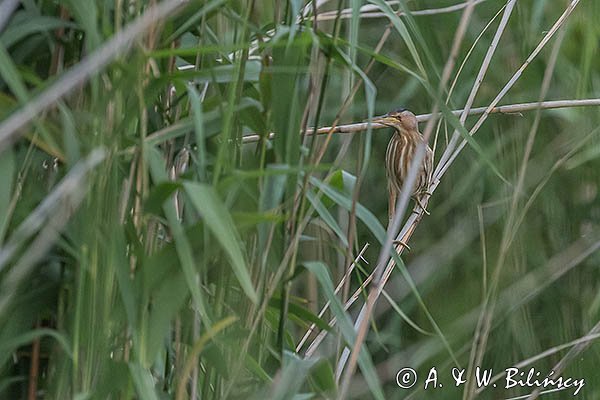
point(400, 242)
point(418, 201)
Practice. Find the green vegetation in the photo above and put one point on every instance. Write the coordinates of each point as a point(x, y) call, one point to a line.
point(149, 251)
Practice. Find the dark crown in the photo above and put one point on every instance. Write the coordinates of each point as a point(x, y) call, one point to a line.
point(396, 112)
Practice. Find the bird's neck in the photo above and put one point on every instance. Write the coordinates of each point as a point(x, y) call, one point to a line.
point(414, 134)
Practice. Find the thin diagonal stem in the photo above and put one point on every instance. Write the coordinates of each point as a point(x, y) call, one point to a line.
point(11, 128)
point(362, 323)
point(485, 320)
point(337, 289)
point(559, 23)
point(478, 81)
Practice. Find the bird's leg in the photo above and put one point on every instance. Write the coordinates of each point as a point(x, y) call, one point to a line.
point(393, 197)
point(400, 242)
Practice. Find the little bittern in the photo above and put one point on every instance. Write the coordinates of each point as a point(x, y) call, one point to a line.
point(399, 155)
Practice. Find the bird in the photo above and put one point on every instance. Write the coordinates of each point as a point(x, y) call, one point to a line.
point(400, 152)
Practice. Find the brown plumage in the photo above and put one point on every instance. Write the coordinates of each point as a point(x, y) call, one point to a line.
point(400, 152)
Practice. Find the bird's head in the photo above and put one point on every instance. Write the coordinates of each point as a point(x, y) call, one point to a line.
point(401, 119)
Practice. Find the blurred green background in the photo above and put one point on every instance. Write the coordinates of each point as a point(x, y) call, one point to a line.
point(147, 251)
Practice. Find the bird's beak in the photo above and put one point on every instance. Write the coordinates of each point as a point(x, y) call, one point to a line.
point(384, 120)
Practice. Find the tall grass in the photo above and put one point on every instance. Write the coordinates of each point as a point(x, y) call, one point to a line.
point(172, 225)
